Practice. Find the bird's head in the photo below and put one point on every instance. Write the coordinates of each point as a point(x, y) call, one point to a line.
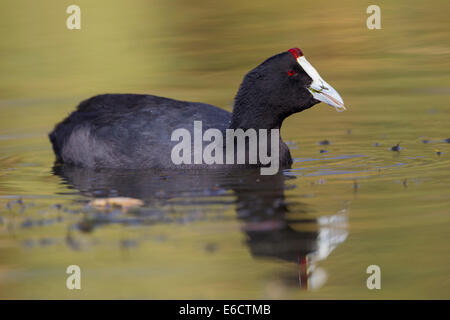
point(280, 86)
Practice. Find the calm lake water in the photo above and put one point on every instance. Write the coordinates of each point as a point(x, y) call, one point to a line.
point(310, 232)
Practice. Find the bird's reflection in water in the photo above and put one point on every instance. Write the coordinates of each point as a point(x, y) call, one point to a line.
point(274, 227)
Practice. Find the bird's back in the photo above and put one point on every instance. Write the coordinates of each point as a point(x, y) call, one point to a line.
point(129, 130)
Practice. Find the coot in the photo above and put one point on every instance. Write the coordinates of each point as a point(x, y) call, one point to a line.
point(135, 130)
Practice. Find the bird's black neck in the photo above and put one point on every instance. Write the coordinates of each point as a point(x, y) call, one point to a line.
point(250, 113)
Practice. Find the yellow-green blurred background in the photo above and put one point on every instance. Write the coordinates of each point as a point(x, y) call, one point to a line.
point(395, 82)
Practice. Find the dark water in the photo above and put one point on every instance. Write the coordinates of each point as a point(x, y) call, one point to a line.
point(309, 232)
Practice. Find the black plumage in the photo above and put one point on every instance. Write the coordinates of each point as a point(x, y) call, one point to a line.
point(134, 131)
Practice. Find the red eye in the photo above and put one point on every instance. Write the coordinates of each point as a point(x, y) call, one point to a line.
point(291, 72)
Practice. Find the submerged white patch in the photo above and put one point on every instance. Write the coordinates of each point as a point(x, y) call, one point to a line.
point(83, 149)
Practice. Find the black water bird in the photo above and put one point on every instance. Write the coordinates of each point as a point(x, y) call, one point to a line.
point(134, 130)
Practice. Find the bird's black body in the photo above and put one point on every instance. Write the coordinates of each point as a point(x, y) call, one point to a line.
point(134, 131)
point(129, 130)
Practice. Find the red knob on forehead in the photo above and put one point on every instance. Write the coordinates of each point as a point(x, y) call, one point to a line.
point(296, 52)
